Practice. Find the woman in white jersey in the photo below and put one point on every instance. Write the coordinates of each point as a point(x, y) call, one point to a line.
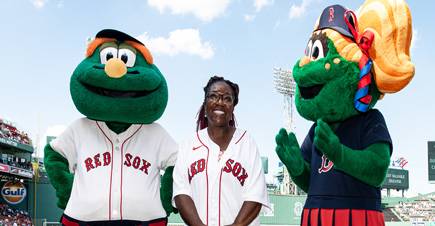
point(218, 177)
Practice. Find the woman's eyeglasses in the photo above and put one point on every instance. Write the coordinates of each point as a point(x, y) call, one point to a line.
point(214, 97)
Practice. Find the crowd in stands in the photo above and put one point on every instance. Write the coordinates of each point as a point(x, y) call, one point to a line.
point(7, 130)
point(390, 215)
point(12, 217)
point(422, 209)
point(16, 161)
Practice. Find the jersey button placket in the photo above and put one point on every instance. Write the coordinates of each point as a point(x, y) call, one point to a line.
point(215, 212)
point(214, 189)
point(117, 144)
point(116, 180)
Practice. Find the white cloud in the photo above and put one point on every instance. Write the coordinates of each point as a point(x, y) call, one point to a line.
point(249, 17)
point(297, 11)
point(205, 10)
point(414, 40)
point(179, 41)
point(39, 3)
point(259, 4)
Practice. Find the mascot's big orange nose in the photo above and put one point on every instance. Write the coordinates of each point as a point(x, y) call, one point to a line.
point(304, 60)
point(115, 68)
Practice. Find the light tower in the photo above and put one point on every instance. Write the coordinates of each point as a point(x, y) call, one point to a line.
point(285, 84)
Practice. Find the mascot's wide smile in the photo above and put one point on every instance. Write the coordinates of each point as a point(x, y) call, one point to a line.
point(116, 93)
point(310, 92)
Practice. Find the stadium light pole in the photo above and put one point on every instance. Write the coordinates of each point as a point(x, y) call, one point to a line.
point(285, 85)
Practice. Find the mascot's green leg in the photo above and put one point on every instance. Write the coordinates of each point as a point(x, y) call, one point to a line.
point(58, 173)
point(289, 152)
point(166, 191)
point(369, 165)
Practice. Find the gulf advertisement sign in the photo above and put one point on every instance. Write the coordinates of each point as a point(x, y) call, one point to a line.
point(13, 192)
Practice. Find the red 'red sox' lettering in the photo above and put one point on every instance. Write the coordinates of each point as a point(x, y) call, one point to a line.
point(105, 159)
point(136, 163)
point(237, 170)
point(95, 162)
point(195, 168)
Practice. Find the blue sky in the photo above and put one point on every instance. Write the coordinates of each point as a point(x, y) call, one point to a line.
point(44, 40)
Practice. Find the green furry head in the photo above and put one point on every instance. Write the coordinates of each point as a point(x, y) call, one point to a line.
point(138, 96)
point(327, 82)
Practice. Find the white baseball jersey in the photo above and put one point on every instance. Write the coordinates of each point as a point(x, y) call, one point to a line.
point(116, 176)
point(219, 187)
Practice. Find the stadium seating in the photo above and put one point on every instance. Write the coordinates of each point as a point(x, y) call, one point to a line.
point(7, 130)
point(9, 216)
point(420, 209)
point(390, 215)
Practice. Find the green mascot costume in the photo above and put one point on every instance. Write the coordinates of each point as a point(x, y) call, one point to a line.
point(106, 167)
point(350, 63)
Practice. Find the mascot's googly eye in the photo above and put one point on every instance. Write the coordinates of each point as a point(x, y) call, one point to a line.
point(317, 51)
point(108, 53)
point(308, 49)
point(127, 56)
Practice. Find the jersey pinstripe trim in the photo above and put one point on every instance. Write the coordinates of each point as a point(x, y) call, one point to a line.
point(195, 148)
point(206, 171)
point(122, 164)
point(111, 172)
point(241, 137)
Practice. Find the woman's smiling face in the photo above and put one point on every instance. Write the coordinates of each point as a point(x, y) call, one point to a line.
point(219, 105)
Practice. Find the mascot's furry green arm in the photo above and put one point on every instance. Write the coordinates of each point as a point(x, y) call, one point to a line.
point(60, 177)
point(117, 85)
point(359, 164)
point(350, 63)
point(289, 152)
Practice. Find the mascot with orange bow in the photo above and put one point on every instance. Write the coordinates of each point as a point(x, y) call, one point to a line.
point(351, 61)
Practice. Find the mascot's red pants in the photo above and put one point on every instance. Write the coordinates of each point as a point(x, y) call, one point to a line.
point(69, 221)
point(342, 217)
